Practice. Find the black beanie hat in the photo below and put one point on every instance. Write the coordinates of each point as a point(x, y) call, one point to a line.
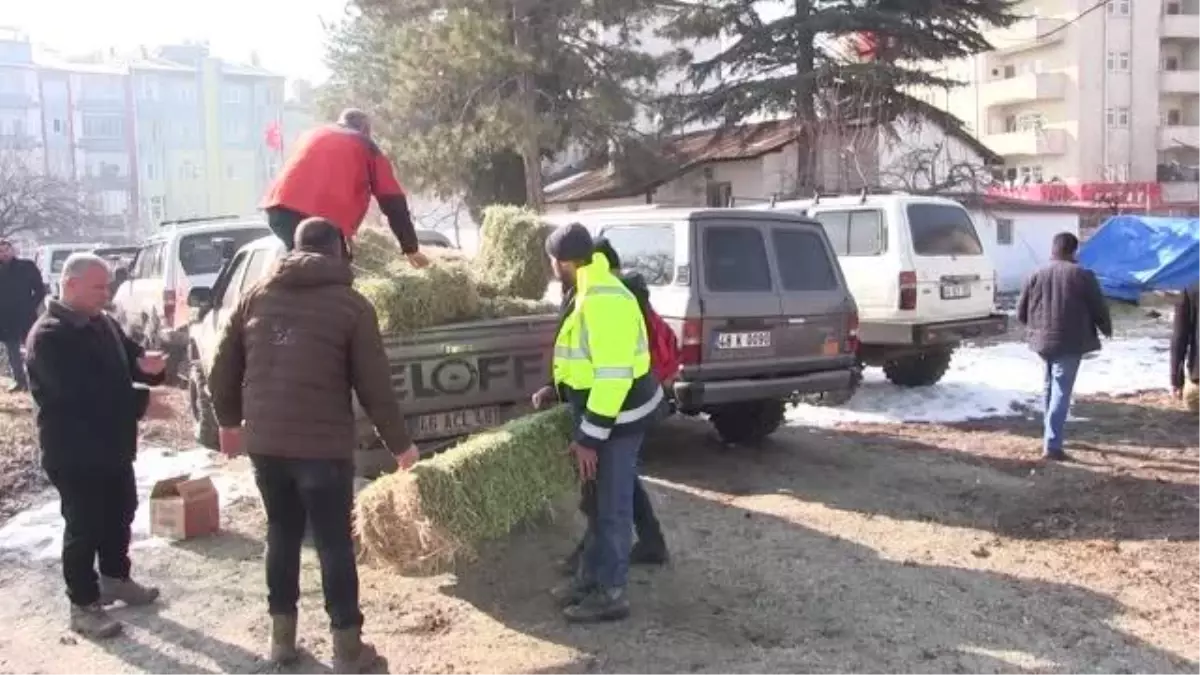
point(570, 243)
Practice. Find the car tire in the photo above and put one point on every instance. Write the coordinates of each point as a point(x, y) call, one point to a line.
point(919, 370)
point(202, 410)
point(747, 423)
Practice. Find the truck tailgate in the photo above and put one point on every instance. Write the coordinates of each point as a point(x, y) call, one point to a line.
point(458, 379)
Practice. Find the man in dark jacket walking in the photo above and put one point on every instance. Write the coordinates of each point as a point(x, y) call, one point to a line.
point(650, 548)
point(1185, 373)
point(293, 350)
point(82, 370)
point(21, 293)
point(1062, 307)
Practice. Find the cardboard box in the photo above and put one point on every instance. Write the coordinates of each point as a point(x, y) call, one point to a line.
point(182, 508)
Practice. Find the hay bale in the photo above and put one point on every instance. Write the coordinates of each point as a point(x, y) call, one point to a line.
point(504, 306)
point(374, 250)
point(422, 521)
point(512, 258)
point(408, 299)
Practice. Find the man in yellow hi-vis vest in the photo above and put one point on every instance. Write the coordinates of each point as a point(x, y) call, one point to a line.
point(602, 369)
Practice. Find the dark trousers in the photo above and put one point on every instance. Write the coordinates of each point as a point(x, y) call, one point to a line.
point(16, 364)
point(98, 506)
point(320, 492)
point(645, 523)
point(283, 222)
point(609, 537)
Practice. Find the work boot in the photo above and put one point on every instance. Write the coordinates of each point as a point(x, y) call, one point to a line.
point(350, 653)
point(283, 639)
point(646, 553)
point(18, 388)
point(92, 622)
point(602, 604)
point(126, 590)
point(570, 592)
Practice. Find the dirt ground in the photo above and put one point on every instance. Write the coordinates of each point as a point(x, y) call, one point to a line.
point(923, 548)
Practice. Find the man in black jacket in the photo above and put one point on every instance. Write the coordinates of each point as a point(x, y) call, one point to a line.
point(21, 292)
point(1184, 371)
point(82, 370)
point(1062, 307)
point(650, 547)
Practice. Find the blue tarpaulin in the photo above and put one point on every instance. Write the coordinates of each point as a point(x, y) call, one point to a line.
point(1134, 254)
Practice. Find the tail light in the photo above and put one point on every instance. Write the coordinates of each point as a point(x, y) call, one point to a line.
point(168, 308)
point(691, 346)
point(908, 290)
point(852, 332)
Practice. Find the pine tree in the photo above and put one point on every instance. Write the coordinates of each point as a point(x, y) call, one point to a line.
point(458, 87)
point(803, 63)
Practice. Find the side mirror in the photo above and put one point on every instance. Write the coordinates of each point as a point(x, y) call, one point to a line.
point(227, 247)
point(200, 297)
point(120, 276)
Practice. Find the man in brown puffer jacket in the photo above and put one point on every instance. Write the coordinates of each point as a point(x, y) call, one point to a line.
point(293, 350)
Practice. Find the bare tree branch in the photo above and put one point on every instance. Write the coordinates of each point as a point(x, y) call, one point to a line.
point(45, 207)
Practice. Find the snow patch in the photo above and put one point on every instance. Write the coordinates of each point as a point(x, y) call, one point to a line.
point(994, 381)
point(38, 531)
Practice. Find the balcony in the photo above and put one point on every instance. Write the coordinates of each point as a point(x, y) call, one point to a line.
point(1179, 82)
point(1025, 35)
point(1178, 192)
point(1024, 89)
point(1175, 137)
point(1185, 26)
point(1028, 143)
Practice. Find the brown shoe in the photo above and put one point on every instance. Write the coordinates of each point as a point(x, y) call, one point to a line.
point(351, 654)
point(283, 639)
point(126, 590)
point(92, 622)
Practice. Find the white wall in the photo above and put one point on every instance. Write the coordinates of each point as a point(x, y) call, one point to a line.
point(917, 141)
point(1030, 247)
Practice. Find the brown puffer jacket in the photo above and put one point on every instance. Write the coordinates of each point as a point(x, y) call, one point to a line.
point(294, 348)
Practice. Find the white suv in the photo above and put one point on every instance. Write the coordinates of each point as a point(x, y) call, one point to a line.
point(919, 275)
point(152, 303)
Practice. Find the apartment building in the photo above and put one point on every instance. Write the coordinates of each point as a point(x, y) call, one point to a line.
point(20, 105)
point(1100, 95)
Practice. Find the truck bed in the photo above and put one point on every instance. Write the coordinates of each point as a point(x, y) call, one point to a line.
point(457, 379)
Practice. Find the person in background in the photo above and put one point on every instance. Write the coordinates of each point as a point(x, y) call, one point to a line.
point(602, 366)
point(332, 174)
point(82, 375)
point(650, 547)
point(293, 350)
point(1184, 372)
point(21, 294)
point(1062, 308)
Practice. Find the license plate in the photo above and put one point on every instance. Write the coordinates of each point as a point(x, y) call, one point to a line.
point(955, 291)
point(455, 422)
point(751, 340)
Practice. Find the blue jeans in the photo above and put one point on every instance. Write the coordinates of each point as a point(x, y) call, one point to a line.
point(16, 364)
point(1060, 382)
point(609, 537)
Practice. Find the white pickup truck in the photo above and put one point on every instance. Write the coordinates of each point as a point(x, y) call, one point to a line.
point(918, 273)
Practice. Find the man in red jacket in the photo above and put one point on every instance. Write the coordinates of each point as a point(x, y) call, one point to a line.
point(332, 174)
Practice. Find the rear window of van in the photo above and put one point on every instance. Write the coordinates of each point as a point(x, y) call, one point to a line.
point(942, 230)
point(200, 254)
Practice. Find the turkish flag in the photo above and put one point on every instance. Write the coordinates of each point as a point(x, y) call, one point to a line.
point(274, 137)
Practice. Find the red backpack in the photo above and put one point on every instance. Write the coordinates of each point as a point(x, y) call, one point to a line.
point(664, 347)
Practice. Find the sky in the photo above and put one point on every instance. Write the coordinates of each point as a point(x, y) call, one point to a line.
point(287, 34)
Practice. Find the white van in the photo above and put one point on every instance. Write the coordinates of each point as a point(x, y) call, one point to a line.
point(919, 275)
point(152, 303)
point(50, 259)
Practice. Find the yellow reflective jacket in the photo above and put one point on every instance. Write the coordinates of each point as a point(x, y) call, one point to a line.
point(602, 357)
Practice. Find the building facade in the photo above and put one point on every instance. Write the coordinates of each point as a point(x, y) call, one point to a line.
point(20, 102)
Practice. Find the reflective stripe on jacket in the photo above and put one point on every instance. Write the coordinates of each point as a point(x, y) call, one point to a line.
point(602, 356)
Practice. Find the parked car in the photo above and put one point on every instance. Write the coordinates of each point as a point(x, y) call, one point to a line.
point(182, 255)
point(502, 362)
point(919, 274)
point(50, 258)
point(757, 298)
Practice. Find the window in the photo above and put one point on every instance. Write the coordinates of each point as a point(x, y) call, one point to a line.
point(1117, 118)
point(1173, 8)
point(1173, 118)
point(1116, 173)
point(1170, 63)
point(149, 262)
point(648, 250)
point(149, 89)
point(235, 129)
point(151, 171)
point(233, 280)
point(735, 259)
point(186, 92)
point(719, 194)
point(255, 269)
point(58, 259)
point(803, 261)
point(200, 254)
point(1004, 231)
point(1030, 121)
point(1118, 62)
point(156, 208)
point(941, 229)
point(57, 125)
point(1118, 7)
point(103, 126)
point(858, 233)
point(233, 94)
point(1030, 174)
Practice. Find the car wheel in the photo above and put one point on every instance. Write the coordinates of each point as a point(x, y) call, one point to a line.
point(749, 422)
point(919, 370)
